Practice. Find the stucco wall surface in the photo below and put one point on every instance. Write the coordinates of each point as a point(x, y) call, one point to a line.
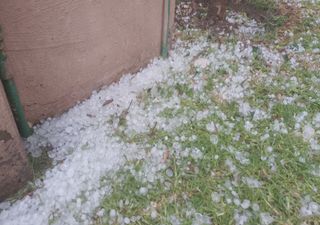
point(13, 162)
point(60, 50)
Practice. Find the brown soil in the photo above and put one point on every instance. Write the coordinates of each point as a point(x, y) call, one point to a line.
point(199, 19)
point(263, 16)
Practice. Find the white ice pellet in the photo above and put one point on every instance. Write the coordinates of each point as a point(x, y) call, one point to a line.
point(214, 139)
point(126, 220)
point(211, 127)
point(4, 205)
point(201, 219)
point(316, 120)
point(113, 213)
point(174, 220)
point(242, 158)
point(237, 137)
point(241, 218)
point(202, 63)
point(248, 126)
point(245, 204)
point(255, 207)
point(196, 153)
point(264, 137)
point(100, 213)
point(231, 165)
point(169, 172)
point(216, 197)
point(153, 214)
point(308, 132)
point(309, 207)
point(143, 190)
point(269, 149)
point(251, 182)
point(266, 219)
point(236, 201)
point(244, 108)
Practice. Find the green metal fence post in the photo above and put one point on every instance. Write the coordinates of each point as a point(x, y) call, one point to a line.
point(165, 29)
point(13, 99)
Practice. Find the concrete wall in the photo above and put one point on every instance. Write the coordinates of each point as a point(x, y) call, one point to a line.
point(14, 170)
point(60, 50)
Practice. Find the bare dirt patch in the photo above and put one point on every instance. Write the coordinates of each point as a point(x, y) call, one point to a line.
point(280, 16)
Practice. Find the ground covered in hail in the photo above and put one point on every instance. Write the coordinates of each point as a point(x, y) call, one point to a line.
point(225, 131)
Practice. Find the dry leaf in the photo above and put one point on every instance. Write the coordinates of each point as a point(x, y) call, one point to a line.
point(107, 102)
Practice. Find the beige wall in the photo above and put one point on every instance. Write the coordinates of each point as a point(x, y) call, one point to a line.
point(60, 50)
point(13, 162)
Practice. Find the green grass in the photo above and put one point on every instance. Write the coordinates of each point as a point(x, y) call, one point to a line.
point(281, 162)
point(280, 194)
point(40, 164)
point(265, 5)
point(194, 181)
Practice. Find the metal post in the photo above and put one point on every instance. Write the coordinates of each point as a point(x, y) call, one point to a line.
point(13, 99)
point(165, 28)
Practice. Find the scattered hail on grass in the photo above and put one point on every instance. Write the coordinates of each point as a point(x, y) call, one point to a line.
point(216, 134)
